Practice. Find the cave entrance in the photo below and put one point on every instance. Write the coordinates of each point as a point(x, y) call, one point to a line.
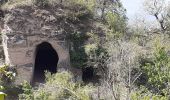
point(88, 74)
point(46, 59)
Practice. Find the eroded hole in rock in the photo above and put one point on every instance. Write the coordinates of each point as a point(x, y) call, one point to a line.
point(88, 74)
point(46, 59)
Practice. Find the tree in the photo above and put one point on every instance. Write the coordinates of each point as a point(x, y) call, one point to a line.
point(105, 6)
point(115, 65)
point(159, 10)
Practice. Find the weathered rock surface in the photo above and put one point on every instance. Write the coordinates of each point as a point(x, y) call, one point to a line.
point(26, 27)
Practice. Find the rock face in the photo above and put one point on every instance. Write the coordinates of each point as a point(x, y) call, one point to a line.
point(24, 29)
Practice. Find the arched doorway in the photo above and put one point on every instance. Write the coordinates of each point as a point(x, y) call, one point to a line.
point(46, 59)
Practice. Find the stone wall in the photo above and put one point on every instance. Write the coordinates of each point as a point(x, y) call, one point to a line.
point(25, 27)
point(23, 30)
point(22, 53)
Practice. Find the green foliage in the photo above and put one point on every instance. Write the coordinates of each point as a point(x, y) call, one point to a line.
point(28, 92)
point(144, 94)
point(90, 4)
point(78, 56)
point(116, 24)
point(96, 52)
point(158, 71)
point(90, 50)
point(68, 89)
point(6, 76)
point(41, 2)
point(16, 3)
point(57, 87)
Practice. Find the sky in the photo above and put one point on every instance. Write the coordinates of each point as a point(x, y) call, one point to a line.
point(132, 6)
point(135, 8)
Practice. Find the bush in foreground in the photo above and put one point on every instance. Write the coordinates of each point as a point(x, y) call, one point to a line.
point(57, 87)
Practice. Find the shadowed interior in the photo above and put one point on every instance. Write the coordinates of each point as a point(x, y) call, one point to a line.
point(88, 74)
point(46, 59)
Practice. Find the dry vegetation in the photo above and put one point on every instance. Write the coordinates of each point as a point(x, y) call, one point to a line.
point(132, 62)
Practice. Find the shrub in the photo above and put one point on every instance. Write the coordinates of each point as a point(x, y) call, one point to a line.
point(116, 25)
point(144, 94)
point(78, 56)
point(16, 3)
point(58, 86)
point(7, 75)
point(158, 71)
point(41, 2)
point(28, 92)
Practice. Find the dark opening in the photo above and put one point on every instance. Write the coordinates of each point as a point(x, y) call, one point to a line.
point(46, 59)
point(1, 14)
point(88, 74)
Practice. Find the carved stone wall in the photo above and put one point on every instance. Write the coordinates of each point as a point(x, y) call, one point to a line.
point(20, 52)
point(23, 30)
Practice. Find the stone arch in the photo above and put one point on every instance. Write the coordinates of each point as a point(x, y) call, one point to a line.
point(45, 59)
